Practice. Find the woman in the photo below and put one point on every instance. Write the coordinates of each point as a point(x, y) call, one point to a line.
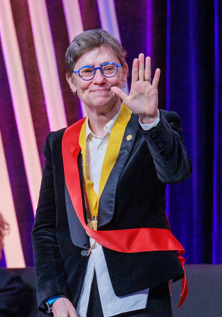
point(100, 224)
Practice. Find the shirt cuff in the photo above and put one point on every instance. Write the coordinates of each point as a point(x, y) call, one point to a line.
point(51, 300)
point(148, 126)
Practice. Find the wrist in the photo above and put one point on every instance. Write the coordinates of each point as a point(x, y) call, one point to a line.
point(147, 119)
point(50, 302)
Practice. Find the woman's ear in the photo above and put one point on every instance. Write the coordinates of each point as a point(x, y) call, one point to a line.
point(71, 83)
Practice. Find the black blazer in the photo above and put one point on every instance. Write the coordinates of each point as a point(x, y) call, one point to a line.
point(134, 197)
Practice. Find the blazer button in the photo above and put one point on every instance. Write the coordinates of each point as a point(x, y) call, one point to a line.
point(160, 145)
point(153, 136)
point(84, 253)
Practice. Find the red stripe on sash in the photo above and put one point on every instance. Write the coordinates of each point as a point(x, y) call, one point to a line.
point(126, 240)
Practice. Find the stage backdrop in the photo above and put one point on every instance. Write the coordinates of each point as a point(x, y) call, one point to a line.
point(183, 39)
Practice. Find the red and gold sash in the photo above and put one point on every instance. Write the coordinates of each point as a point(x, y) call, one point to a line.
point(125, 240)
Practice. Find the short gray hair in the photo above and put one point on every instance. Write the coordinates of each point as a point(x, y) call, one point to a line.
point(89, 40)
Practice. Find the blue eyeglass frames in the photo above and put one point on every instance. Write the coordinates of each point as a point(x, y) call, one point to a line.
point(88, 72)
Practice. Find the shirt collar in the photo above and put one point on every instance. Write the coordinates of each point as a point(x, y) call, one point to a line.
point(108, 127)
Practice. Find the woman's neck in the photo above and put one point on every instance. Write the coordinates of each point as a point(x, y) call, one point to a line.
point(99, 117)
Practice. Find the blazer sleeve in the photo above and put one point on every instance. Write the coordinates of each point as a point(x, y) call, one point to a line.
point(50, 274)
point(165, 142)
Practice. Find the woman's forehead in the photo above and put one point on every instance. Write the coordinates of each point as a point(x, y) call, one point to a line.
point(97, 55)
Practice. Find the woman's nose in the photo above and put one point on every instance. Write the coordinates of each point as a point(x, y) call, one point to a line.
point(99, 78)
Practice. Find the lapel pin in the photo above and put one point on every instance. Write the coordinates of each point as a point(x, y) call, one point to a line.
point(129, 137)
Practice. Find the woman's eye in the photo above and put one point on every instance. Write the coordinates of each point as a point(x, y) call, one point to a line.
point(87, 70)
point(108, 68)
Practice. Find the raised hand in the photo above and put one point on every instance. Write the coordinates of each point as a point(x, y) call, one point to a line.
point(143, 96)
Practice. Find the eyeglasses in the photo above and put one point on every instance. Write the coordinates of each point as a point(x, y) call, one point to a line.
point(88, 72)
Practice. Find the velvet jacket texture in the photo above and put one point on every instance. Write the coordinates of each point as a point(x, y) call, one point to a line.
point(133, 197)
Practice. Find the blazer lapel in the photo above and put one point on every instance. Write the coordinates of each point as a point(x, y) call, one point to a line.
point(107, 199)
point(77, 232)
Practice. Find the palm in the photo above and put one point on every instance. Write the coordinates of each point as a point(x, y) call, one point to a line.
point(143, 97)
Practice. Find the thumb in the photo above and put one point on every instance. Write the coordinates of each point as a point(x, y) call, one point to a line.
point(121, 94)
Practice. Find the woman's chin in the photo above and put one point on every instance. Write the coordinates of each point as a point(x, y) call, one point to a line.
point(103, 102)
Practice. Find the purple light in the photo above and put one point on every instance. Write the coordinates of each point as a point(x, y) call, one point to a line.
point(149, 29)
point(167, 83)
point(216, 69)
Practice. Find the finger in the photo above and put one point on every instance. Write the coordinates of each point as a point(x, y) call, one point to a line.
point(148, 68)
point(141, 67)
point(156, 78)
point(135, 71)
point(121, 94)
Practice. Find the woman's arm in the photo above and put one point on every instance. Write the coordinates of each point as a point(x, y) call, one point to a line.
point(51, 278)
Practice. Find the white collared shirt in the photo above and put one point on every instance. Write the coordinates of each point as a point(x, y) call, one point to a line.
point(111, 304)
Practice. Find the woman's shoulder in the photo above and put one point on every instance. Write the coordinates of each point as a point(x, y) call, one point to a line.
point(171, 116)
point(12, 292)
point(58, 135)
point(9, 279)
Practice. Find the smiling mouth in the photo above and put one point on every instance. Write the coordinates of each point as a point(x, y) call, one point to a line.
point(101, 90)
